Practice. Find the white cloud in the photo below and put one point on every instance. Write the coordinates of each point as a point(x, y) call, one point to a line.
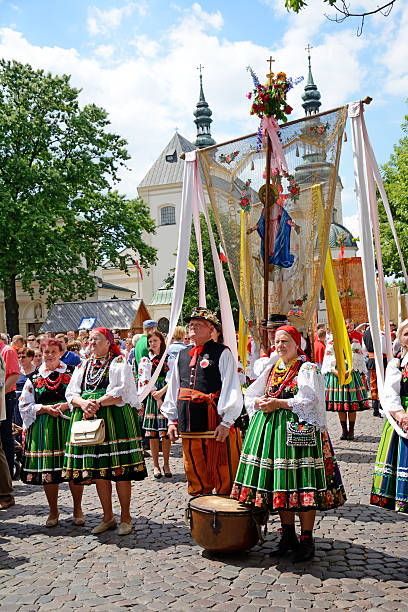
point(145, 46)
point(395, 58)
point(105, 52)
point(104, 21)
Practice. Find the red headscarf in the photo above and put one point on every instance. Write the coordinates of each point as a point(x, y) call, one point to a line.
point(114, 349)
point(295, 335)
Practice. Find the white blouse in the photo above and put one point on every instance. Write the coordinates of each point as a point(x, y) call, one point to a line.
point(392, 386)
point(358, 363)
point(27, 406)
point(230, 403)
point(308, 403)
point(121, 382)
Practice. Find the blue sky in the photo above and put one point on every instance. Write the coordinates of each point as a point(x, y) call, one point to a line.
point(138, 59)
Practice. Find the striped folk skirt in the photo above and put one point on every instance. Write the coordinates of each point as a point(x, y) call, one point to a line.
point(44, 450)
point(346, 398)
point(118, 458)
point(281, 477)
point(154, 423)
point(390, 482)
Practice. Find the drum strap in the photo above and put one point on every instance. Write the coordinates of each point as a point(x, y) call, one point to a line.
point(217, 451)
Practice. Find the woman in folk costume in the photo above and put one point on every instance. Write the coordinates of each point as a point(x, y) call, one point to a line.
point(42, 407)
point(154, 423)
point(103, 386)
point(390, 483)
point(350, 398)
point(287, 463)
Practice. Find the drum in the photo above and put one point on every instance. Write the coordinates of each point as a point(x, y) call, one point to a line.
point(221, 524)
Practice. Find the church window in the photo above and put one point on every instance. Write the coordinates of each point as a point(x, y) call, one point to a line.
point(172, 158)
point(168, 215)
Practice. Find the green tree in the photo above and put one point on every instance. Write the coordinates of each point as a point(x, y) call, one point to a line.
point(343, 10)
point(342, 6)
point(395, 178)
point(59, 215)
point(191, 292)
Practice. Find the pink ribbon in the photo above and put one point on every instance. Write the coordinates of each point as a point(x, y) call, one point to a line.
point(270, 126)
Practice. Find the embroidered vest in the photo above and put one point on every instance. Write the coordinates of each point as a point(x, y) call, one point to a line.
point(43, 395)
point(404, 380)
point(193, 416)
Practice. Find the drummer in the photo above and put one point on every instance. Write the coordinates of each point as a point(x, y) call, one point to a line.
point(202, 402)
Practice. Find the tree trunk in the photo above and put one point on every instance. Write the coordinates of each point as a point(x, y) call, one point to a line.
point(11, 304)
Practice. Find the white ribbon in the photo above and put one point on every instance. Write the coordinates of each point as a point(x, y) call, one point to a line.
point(368, 224)
point(183, 249)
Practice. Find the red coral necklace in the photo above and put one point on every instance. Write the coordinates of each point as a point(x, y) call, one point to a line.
point(282, 378)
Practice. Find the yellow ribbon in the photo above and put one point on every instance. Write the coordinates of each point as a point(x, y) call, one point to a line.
point(341, 341)
point(243, 276)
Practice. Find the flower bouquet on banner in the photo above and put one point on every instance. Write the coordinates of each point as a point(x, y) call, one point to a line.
point(272, 195)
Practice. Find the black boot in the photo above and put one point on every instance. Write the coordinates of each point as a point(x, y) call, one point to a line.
point(376, 408)
point(287, 542)
point(344, 434)
point(306, 549)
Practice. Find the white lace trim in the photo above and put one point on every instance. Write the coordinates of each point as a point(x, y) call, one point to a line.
point(309, 403)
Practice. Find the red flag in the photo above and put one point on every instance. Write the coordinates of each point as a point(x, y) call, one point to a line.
point(139, 268)
point(222, 254)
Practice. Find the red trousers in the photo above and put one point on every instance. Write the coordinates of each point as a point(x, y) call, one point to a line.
point(195, 455)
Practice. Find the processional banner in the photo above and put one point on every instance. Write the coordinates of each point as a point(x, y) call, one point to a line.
point(350, 287)
point(234, 174)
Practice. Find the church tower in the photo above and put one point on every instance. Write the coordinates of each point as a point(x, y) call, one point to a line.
point(311, 97)
point(203, 119)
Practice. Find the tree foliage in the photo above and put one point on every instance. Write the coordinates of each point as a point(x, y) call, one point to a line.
point(342, 10)
point(191, 292)
point(395, 178)
point(59, 215)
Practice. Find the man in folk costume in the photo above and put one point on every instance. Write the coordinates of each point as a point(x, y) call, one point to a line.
point(202, 402)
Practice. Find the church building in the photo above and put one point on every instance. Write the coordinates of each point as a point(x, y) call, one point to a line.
point(161, 189)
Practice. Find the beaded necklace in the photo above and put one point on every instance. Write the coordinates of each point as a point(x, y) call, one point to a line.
point(95, 371)
point(281, 377)
point(51, 385)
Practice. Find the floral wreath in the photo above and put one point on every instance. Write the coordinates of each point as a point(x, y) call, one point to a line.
point(320, 129)
point(296, 311)
point(245, 201)
point(227, 159)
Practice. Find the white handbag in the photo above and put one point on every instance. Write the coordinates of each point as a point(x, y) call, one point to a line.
point(88, 432)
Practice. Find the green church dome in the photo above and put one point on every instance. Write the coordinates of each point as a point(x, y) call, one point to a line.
point(336, 233)
point(203, 120)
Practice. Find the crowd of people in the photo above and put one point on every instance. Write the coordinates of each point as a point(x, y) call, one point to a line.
point(260, 437)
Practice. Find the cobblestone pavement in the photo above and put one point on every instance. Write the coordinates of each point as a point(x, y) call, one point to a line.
point(361, 561)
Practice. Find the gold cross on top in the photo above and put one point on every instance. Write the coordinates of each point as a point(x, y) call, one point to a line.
point(270, 60)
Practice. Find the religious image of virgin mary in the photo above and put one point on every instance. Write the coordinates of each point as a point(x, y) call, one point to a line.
point(279, 232)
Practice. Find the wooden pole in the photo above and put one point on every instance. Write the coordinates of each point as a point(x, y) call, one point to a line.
point(267, 214)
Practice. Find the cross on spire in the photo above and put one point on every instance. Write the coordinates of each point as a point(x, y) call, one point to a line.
point(308, 49)
point(200, 68)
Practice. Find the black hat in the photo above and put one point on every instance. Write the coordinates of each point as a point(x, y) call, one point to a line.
point(276, 320)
